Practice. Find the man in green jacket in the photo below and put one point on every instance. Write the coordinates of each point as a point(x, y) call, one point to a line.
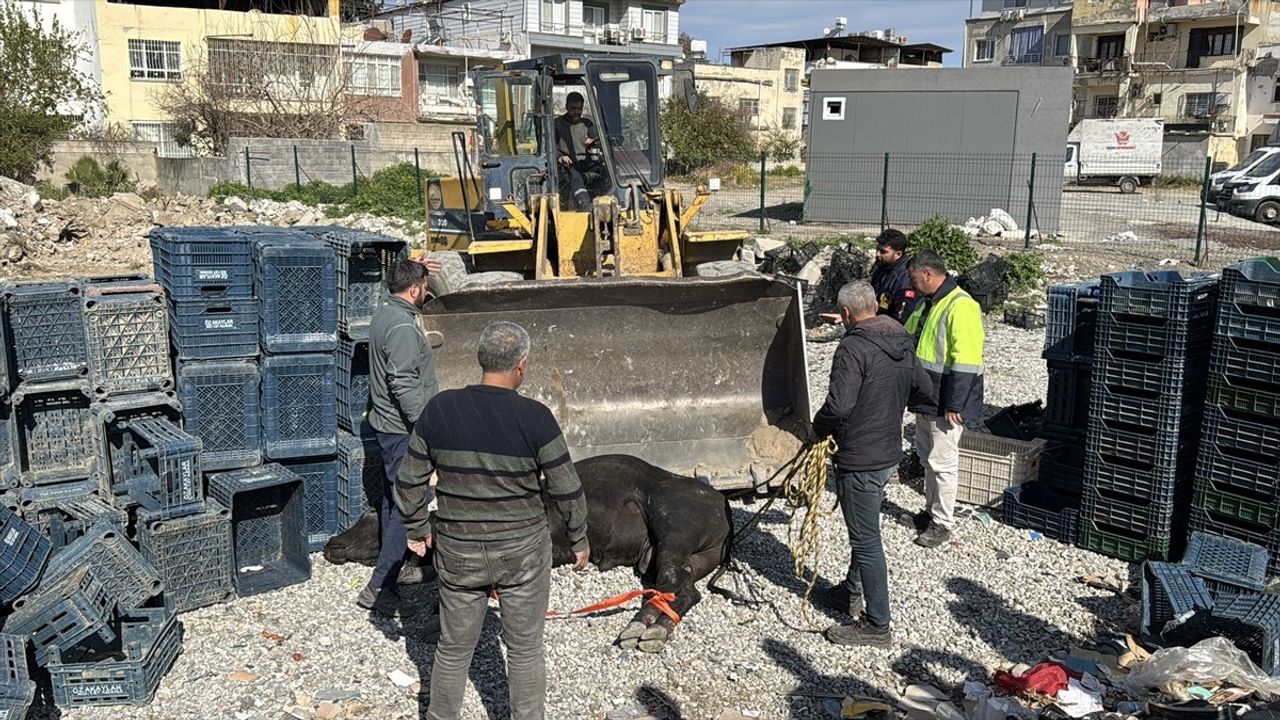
point(402, 378)
point(947, 325)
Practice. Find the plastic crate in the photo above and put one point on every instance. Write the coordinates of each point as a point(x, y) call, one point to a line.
point(295, 281)
point(299, 415)
point(127, 338)
point(220, 404)
point(1071, 321)
point(1240, 435)
point(1020, 422)
point(363, 261)
point(1246, 360)
point(1171, 593)
point(1063, 459)
point(65, 518)
point(1143, 376)
point(1250, 307)
point(129, 579)
point(1141, 484)
point(46, 332)
point(1154, 339)
point(989, 465)
point(1240, 472)
point(8, 436)
point(16, 688)
point(1067, 400)
point(125, 672)
point(64, 611)
point(1223, 560)
point(1144, 447)
point(352, 385)
point(214, 329)
point(57, 436)
point(1125, 546)
point(23, 553)
point(1251, 621)
point(192, 554)
point(203, 262)
point(1211, 522)
point(320, 488)
point(169, 483)
point(360, 477)
point(1175, 412)
point(1037, 506)
point(1165, 294)
point(268, 527)
point(113, 416)
point(1256, 400)
point(1122, 512)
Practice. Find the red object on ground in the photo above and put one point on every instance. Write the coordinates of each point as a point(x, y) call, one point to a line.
point(1046, 678)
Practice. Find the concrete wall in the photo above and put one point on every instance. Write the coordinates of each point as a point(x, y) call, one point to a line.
point(1107, 11)
point(138, 157)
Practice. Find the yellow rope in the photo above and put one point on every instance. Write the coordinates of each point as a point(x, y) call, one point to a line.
point(804, 532)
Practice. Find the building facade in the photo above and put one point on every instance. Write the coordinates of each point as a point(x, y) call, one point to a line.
point(80, 18)
point(1019, 32)
point(765, 85)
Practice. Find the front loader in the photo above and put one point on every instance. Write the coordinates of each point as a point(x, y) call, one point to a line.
point(648, 338)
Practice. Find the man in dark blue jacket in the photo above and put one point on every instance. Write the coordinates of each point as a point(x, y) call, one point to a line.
point(874, 375)
point(893, 287)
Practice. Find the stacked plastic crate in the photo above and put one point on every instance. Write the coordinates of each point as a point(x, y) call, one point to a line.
point(1052, 504)
point(1146, 406)
point(1237, 484)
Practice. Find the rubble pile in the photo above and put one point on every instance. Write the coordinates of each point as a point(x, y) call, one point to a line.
point(997, 223)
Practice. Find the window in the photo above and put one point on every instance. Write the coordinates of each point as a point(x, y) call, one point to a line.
point(789, 118)
point(1157, 98)
point(1105, 106)
point(1026, 46)
point(1275, 93)
point(1220, 42)
point(833, 109)
point(1015, 3)
point(505, 103)
point(655, 25)
point(1110, 47)
point(594, 17)
point(555, 16)
point(155, 60)
point(1062, 44)
point(791, 81)
point(282, 71)
point(162, 134)
point(1199, 105)
point(440, 84)
point(374, 75)
point(984, 50)
point(749, 106)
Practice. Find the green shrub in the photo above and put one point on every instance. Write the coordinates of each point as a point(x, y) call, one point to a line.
point(780, 145)
point(713, 133)
point(786, 171)
point(226, 188)
point(939, 235)
point(1176, 181)
point(1026, 271)
point(86, 177)
point(49, 191)
point(391, 191)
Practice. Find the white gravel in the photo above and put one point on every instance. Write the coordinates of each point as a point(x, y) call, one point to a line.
point(993, 598)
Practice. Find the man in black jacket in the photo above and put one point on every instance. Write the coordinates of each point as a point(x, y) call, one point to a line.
point(874, 375)
point(893, 287)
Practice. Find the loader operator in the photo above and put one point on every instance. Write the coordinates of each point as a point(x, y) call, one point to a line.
point(581, 174)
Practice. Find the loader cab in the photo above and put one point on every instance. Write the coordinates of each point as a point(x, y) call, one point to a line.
point(518, 108)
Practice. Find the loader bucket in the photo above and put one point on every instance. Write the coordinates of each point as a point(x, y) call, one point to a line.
point(701, 376)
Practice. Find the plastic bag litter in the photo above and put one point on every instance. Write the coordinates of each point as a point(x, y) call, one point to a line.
point(1214, 660)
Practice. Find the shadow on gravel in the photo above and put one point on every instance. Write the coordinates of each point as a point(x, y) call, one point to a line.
point(771, 559)
point(664, 706)
point(1019, 636)
point(809, 679)
point(488, 671)
point(920, 666)
point(783, 212)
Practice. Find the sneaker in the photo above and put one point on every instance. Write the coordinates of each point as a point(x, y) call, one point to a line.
point(859, 632)
point(839, 598)
point(917, 521)
point(933, 536)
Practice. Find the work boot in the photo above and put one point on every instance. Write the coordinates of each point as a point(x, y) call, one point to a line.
point(859, 632)
point(916, 521)
point(839, 598)
point(385, 602)
point(933, 536)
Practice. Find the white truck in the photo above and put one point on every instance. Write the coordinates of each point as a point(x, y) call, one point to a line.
point(1122, 152)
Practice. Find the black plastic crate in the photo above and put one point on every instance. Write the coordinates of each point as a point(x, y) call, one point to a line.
point(1164, 294)
point(1250, 308)
point(1260, 401)
point(129, 578)
point(363, 261)
point(1240, 435)
point(296, 283)
point(114, 416)
point(1017, 422)
point(1174, 412)
point(57, 436)
point(360, 477)
point(16, 687)
point(1228, 502)
point(1143, 450)
point(1251, 621)
point(1127, 546)
point(8, 436)
point(168, 483)
point(65, 610)
point(45, 331)
point(1246, 360)
point(1240, 472)
point(1037, 506)
point(192, 554)
point(126, 671)
point(1140, 337)
point(268, 527)
point(23, 553)
point(214, 329)
point(127, 338)
point(203, 262)
point(220, 404)
point(352, 385)
point(1143, 376)
point(299, 415)
point(1071, 321)
point(1067, 399)
point(1212, 522)
point(1063, 459)
point(1145, 517)
point(1223, 560)
point(320, 488)
point(65, 513)
point(1149, 484)
point(1171, 593)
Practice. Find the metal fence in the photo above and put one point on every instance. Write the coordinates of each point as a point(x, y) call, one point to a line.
point(1168, 217)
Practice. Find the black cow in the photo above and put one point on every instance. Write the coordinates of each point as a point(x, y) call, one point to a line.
point(673, 530)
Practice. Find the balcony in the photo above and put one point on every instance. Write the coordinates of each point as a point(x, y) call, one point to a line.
point(1102, 65)
point(1220, 10)
point(1024, 59)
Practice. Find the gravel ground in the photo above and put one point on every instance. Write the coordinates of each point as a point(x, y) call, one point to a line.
point(993, 598)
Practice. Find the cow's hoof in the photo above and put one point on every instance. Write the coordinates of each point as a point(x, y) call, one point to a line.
point(654, 639)
point(629, 638)
point(411, 574)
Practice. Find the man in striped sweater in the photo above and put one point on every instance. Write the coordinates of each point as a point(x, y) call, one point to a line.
point(498, 457)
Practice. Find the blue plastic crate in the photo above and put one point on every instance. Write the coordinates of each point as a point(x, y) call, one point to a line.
point(203, 262)
point(268, 527)
point(126, 671)
point(1037, 506)
point(320, 487)
point(1251, 621)
point(129, 578)
point(65, 610)
point(127, 338)
point(214, 329)
point(46, 331)
point(16, 688)
point(114, 415)
point(1155, 340)
point(1067, 394)
point(1250, 307)
point(1171, 593)
point(168, 482)
point(360, 477)
point(1177, 412)
point(220, 404)
point(1235, 471)
point(23, 553)
point(1163, 295)
point(295, 278)
point(353, 386)
point(363, 261)
point(1071, 321)
point(1122, 512)
point(1063, 460)
point(65, 513)
point(299, 414)
point(58, 438)
point(1144, 449)
point(1227, 561)
point(1211, 522)
point(192, 554)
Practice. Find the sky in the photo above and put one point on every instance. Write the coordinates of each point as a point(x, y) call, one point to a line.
point(730, 23)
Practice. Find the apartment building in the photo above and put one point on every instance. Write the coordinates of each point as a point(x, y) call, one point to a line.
point(765, 85)
point(1019, 32)
point(79, 18)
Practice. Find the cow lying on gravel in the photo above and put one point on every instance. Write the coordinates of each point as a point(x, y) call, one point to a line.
point(673, 530)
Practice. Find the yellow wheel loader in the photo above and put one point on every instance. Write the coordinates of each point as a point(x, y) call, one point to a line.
point(648, 339)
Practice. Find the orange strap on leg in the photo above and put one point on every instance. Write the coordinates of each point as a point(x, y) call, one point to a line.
point(660, 600)
point(663, 601)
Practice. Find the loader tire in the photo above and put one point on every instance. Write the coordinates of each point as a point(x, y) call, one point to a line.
point(724, 268)
point(453, 272)
point(493, 277)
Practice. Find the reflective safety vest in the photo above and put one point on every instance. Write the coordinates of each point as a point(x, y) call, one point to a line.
point(949, 342)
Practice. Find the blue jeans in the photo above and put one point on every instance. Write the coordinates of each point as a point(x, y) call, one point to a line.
point(861, 494)
point(393, 537)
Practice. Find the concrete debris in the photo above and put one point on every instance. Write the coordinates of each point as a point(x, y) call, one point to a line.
point(1126, 236)
point(7, 219)
point(132, 201)
point(232, 202)
point(997, 223)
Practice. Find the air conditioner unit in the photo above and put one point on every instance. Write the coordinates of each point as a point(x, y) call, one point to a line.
point(1019, 13)
point(1006, 15)
point(637, 33)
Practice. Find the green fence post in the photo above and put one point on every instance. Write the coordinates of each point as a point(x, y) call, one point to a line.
point(1031, 194)
point(762, 181)
point(297, 170)
point(355, 182)
point(248, 174)
point(884, 195)
point(417, 173)
point(1204, 207)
